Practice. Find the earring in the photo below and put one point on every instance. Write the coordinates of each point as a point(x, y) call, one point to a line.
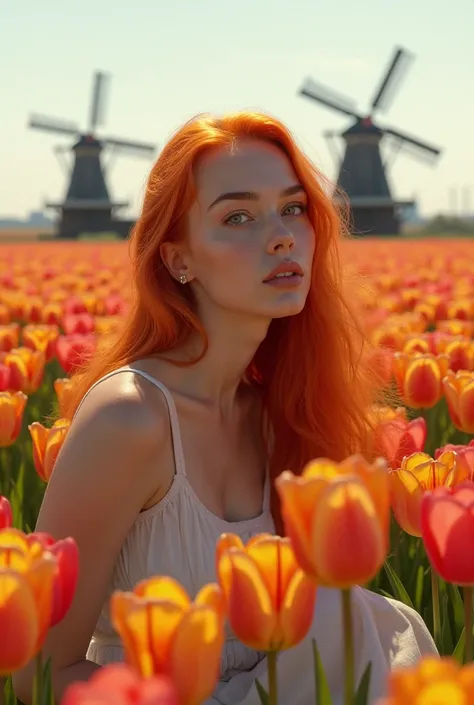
point(183, 279)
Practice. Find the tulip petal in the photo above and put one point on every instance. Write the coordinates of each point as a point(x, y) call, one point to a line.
point(55, 440)
point(137, 654)
point(7, 420)
point(18, 622)
point(255, 624)
point(407, 494)
point(277, 565)
point(347, 539)
point(163, 588)
point(41, 576)
point(225, 542)
point(211, 595)
point(447, 522)
point(196, 655)
point(297, 610)
point(66, 553)
point(299, 497)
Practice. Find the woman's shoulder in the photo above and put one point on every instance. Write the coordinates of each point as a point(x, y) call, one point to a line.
point(125, 405)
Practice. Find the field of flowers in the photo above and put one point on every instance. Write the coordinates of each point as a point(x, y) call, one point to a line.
point(413, 506)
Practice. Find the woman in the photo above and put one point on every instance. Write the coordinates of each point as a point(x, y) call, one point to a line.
point(239, 359)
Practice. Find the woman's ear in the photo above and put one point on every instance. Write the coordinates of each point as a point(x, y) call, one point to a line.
point(176, 262)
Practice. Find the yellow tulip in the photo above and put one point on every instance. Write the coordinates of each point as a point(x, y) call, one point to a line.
point(165, 633)
point(12, 407)
point(18, 622)
point(264, 576)
point(431, 682)
point(337, 517)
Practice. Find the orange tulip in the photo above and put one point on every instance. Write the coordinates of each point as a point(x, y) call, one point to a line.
point(62, 388)
point(12, 407)
point(326, 508)
point(419, 378)
point(27, 369)
point(18, 622)
point(4, 314)
point(418, 473)
point(9, 336)
point(396, 437)
point(459, 393)
point(41, 337)
point(264, 576)
point(456, 327)
point(464, 458)
point(461, 354)
point(164, 633)
point(38, 568)
point(47, 442)
point(432, 681)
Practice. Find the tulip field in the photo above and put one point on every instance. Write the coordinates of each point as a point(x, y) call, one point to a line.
point(413, 501)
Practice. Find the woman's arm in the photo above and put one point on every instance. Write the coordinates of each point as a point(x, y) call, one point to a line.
point(107, 470)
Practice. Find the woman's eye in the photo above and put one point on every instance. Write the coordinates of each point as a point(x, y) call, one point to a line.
point(236, 219)
point(294, 209)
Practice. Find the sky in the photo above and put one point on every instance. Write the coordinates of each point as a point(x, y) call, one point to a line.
point(170, 60)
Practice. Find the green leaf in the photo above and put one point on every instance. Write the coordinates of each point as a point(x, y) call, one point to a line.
point(420, 578)
point(48, 695)
point(396, 584)
point(458, 652)
point(362, 694)
point(9, 697)
point(262, 693)
point(323, 694)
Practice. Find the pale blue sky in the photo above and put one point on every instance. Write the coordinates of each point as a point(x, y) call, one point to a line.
point(173, 59)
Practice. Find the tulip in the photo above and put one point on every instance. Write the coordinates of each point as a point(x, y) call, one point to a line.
point(27, 369)
point(9, 336)
point(74, 350)
point(447, 528)
point(394, 438)
point(38, 567)
point(5, 378)
point(6, 514)
point(4, 314)
point(419, 378)
point(66, 553)
point(18, 621)
point(337, 517)
point(118, 684)
point(464, 457)
point(78, 324)
point(431, 681)
point(418, 473)
point(460, 354)
point(164, 633)
point(12, 407)
point(62, 388)
point(264, 576)
point(459, 393)
point(47, 442)
point(41, 337)
point(52, 314)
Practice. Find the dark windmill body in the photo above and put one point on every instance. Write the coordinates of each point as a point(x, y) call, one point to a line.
point(87, 207)
point(362, 172)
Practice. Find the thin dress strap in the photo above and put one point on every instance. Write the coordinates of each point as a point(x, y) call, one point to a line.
point(174, 421)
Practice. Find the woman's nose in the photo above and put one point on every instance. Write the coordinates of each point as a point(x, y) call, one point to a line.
point(281, 240)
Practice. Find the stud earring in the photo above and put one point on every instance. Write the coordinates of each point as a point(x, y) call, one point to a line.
point(183, 279)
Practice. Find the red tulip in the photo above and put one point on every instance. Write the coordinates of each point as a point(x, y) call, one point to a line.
point(74, 350)
point(397, 437)
point(6, 514)
point(78, 324)
point(118, 684)
point(464, 457)
point(447, 529)
point(66, 554)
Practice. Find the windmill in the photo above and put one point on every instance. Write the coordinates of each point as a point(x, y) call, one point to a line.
point(87, 206)
point(362, 171)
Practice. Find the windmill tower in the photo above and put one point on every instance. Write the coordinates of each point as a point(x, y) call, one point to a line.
point(87, 206)
point(362, 170)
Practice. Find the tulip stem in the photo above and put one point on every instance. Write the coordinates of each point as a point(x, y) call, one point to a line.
point(38, 682)
point(348, 647)
point(272, 678)
point(468, 619)
point(436, 612)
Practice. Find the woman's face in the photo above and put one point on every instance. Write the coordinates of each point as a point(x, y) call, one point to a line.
point(249, 219)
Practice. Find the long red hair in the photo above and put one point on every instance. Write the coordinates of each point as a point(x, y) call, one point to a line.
point(316, 386)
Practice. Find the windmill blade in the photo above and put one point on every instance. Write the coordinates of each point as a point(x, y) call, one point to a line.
point(421, 147)
point(97, 110)
point(395, 72)
point(331, 138)
point(328, 98)
point(138, 147)
point(39, 122)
